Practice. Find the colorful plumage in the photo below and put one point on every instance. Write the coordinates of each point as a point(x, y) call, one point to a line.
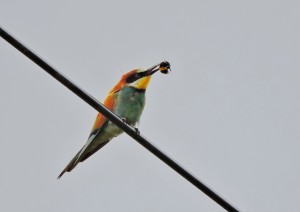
point(127, 100)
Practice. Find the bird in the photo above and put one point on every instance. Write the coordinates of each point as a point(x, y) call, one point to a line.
point(127, 100)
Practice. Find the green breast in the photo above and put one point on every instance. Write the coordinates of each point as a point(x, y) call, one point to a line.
point(130, 103)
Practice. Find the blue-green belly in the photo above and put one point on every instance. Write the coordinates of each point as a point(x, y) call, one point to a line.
point(130, 104)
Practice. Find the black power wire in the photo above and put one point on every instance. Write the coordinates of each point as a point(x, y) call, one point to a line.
point(115, 119)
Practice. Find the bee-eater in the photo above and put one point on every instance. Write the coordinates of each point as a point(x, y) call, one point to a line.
point(127, 100)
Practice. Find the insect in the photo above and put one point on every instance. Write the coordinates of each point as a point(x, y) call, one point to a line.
point(164, 67)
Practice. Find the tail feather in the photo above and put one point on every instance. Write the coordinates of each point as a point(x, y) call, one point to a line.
point(88, 154)
point(81, 156)
point(71, 165)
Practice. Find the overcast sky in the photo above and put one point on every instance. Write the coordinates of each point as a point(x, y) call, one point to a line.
point(228, 112)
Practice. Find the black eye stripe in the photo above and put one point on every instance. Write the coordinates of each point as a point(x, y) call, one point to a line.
point(134, 77)
point(130, 79)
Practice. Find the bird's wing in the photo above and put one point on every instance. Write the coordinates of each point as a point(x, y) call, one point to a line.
point(100, 123)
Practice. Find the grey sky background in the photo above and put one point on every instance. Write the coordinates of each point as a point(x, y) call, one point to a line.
point(228, 112)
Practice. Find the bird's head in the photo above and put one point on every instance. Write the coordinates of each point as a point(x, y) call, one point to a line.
point(140, 78)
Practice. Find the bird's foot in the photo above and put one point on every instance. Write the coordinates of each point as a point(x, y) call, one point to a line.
point(124, 120)
point(137, 131)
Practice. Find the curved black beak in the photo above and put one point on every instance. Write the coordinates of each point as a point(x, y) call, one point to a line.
point(152, 70)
